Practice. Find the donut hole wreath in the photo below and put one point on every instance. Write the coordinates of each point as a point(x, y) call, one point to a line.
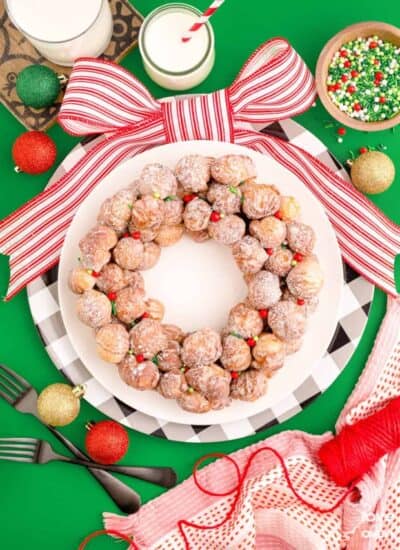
point(203, 198)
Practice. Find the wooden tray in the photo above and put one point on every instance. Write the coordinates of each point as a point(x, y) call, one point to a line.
point(16, 53)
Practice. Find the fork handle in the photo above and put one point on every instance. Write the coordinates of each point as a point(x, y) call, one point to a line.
point(163, 476)
point(125, 498)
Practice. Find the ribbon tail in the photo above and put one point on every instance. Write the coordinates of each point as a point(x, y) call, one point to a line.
point(33, 235)
point(368, 240)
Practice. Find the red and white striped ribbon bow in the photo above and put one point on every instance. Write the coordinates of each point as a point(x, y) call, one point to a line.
point(102, 97)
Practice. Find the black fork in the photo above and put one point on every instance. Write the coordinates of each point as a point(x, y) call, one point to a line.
point(37, 451)
point(23, 397)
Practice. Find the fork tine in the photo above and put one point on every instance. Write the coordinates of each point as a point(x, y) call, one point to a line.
point(6, 390)
point(24, 447)
point(17, 440)
point(21, 452)
point(7, 385)
point(6, 397)
point(17, 458)
point(10, 382)
point(24, 383)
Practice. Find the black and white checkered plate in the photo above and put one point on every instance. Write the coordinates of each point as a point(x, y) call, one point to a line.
point(356, 299)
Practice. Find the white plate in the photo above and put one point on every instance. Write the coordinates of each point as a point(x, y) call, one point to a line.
point(199, 283)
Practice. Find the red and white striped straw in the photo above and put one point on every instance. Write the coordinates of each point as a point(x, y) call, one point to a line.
point(202, 19)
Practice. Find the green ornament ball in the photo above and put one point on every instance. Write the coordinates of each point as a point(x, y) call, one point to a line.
point(37, 86)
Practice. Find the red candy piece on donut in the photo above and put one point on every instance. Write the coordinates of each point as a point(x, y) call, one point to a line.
point(215, 216)
point(188, 198)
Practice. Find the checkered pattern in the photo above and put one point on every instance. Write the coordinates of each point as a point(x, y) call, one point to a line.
point(356, 299)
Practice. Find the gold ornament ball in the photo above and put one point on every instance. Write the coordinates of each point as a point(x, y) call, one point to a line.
point(59, 404)
point(372, 172)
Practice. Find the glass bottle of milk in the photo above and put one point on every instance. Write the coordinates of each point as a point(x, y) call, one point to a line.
point(63, 30)
point(168, 61)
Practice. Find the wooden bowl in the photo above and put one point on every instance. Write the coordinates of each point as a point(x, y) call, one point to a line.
point(370, 28)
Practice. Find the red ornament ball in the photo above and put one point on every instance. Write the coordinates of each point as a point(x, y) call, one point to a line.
point(34, 152)
point(106, 442)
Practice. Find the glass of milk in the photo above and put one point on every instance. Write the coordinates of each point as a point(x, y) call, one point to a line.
point(63, 30)
point(171, 63)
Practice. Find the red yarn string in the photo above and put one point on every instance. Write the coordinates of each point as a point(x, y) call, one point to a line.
point(215, 455)
point(237, 490)
point(96, 534)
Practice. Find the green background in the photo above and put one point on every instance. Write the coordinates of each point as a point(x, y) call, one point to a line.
point(55, 506)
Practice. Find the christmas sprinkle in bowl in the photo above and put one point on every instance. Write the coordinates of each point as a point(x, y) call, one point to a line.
point(373, 55)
